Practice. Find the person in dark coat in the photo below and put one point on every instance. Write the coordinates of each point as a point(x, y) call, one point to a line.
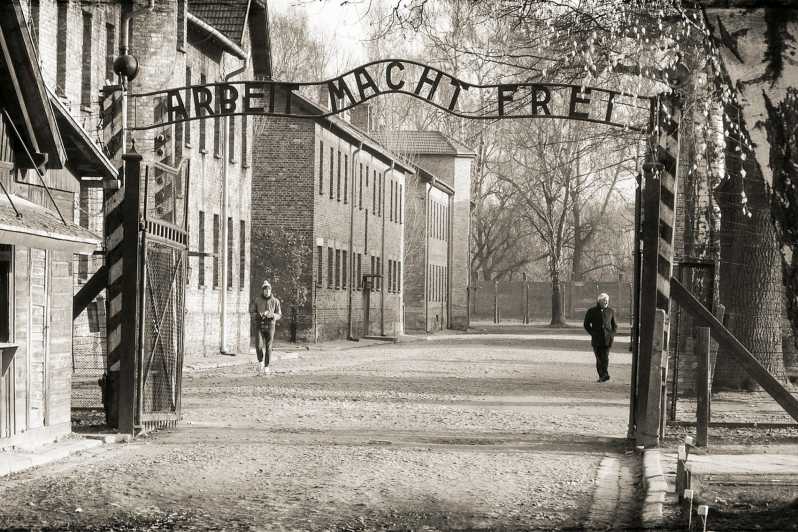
point(600, 325)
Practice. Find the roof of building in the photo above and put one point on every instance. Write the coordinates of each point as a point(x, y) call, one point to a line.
point(228, 16)
point(423, 143)
point(25, 223)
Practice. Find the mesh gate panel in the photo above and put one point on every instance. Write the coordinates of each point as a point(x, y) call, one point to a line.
point(162, 351)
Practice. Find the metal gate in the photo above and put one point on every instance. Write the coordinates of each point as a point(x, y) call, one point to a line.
point(151, 286)
point(159, 379)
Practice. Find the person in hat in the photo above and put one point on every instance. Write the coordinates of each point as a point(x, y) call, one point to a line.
point(265, 312)
point(600, 325)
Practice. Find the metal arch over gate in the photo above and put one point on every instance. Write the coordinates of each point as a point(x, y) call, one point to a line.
point(399, 76)
point(146, 274)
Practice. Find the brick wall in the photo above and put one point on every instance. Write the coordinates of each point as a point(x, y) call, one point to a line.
point(295, 187)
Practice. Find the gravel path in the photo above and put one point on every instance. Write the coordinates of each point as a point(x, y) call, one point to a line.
point(485, 432)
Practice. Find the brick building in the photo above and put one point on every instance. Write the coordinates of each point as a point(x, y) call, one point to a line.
point(339, 196)
point(442, 194)
point(181, 43)
point(47, 160)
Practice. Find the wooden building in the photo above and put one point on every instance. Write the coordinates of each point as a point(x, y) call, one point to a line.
point(44, 154)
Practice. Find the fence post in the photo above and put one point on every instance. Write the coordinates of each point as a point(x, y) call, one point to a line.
point(526, 302)
point(649, 420)
point(495, 301)
point(703, 385)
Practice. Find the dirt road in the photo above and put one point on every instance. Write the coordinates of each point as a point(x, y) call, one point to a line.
point(484, 432)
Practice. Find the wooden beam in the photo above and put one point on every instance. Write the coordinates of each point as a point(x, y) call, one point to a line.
point(89, 291)
point(648, 432)
point(703, 385)
point(733, 346)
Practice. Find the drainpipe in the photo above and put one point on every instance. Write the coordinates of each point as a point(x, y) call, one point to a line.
point(426, 257)
point(352, 281)
point(225, 200)
point(382, 260)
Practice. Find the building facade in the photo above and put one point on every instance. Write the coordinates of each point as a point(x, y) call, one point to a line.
point(47, 160)
point(339, 197)
point(179, 43)
point(443, 196)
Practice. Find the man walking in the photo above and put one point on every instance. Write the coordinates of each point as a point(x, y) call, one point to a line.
point(265, 311)
point(600, 325)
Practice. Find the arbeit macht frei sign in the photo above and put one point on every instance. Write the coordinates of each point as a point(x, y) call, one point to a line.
point(393, 76)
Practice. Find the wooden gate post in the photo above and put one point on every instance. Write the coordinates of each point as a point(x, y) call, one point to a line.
point(648, 291)
point(703, 385)
point(649, 424)
point(130, 287)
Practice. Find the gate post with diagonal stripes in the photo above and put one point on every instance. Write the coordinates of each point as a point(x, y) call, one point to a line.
point(124, 280)
point(659, 216)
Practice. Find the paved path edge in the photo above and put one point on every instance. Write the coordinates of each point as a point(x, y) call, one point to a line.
point(22, 459)
point(655, 487)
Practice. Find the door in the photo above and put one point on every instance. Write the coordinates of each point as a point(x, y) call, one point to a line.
point(37, 384)
point(7, 410)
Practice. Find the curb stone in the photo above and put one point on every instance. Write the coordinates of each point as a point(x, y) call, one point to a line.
point(16, 461)
point(655, 488)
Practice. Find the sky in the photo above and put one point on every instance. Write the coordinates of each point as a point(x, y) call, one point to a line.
point(343, 22)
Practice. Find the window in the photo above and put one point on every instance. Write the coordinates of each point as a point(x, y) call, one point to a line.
point(229, 253)
point(338, 179)
point(61, 49)
point(332, 162)
point(401, 216)
point(390, 208)
point(201, 249)
point(85, 73)
point(319, 266)
point(181, 25)
point(344, 269)
point(374, 195)
point(360, 189)
point(358, 277)
point(242, 254)
point(399, 276)
point(231, 138)
point(35, 9)
point(188, 105)
point(110, 51)
point(6, 299)
point(244, 141)
point(321, 167)
point(203, 122)
point(330, 258)
point(381, 203)
point(390, 275)
point(216, 229)
point(337, 268)
point(379, 272)
point(346, 178)
point(217, 126)
point(373, 271)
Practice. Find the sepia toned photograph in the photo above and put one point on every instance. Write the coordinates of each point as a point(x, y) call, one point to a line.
point(398, 265)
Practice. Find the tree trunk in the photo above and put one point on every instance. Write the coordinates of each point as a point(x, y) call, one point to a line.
point(557, 319)
point(750, 283)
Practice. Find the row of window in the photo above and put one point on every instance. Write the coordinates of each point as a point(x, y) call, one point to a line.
point(438, 220)
point(338, 181)
point(183, 130)
point(437, 283)
point(339, 265)
point(216, 255)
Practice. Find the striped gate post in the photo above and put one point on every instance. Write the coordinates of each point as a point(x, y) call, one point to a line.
point(658, 219)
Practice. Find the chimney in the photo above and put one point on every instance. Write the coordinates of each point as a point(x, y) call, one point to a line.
point(361, 117)
point(324, 96)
